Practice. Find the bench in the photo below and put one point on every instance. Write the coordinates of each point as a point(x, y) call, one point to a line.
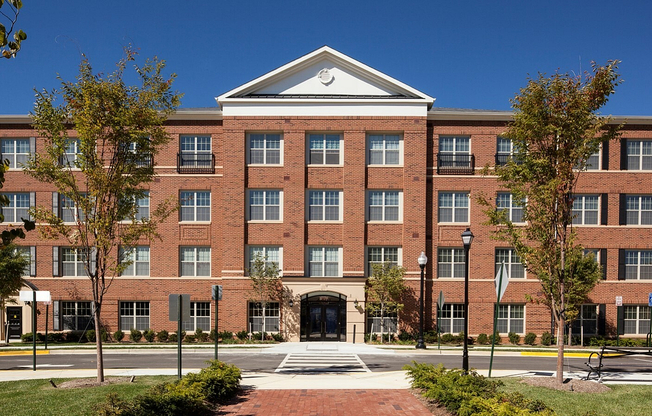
point(611, 352)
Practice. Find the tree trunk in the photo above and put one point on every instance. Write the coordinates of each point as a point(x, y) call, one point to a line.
point(560, 350)
point(98, 344)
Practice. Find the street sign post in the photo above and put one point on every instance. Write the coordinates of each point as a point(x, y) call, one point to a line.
point(501, 282)
point(179, 311)
point(441, 306)
point(35, 296)
point(217, 296)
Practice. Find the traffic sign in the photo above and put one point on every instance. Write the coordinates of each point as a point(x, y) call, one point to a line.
point(619, 301)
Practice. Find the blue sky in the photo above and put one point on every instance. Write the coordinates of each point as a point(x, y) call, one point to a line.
point(466, 54)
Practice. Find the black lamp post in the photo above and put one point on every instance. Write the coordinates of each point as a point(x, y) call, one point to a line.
point(422, 263)
point(467, 239)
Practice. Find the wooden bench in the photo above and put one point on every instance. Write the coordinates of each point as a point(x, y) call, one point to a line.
point(611, 352)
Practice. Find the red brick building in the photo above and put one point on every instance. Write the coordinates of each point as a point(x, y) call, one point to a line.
point(326, 165)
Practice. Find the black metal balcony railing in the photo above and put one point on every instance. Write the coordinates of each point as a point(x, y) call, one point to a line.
point(195, 163)
point(503, 158)
point(455, 164)
point(143, 160)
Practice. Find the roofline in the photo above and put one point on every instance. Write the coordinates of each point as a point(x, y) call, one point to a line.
point(15, 119)
point(506, 116)
point(204, 114)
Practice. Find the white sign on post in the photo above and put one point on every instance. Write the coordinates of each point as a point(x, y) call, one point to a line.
point(41, 296)
point(619, 301)
point(501, 282)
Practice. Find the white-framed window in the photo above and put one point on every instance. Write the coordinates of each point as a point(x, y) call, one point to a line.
point(196, 151)
point(71, 151)
point(324, 205)
point(515, 269)
point(385, 149)
point(19, 204)
point(586, 210)
point(511, 318)
point(451, 320)
point(325, 149)
point(382, 255)
point(270, 254)
point(637, 319)
point(142, 207)
point(265, 205)
point(200, 317)
point(384, 205)
point(76, 315)
point(638, 264)
point(134, 315)
point(504, 150)
point(513, 207)
point(450, 262)
point(139, 258)
point(374, 321)
point(16, 151)
point(29, 253)
point(73, 261)
point(265, 149)
point(639, 209)
point(587, 320)
point(453, 207)
point(271, 317)
point(195, 261)
point(455, 145)
point(325, 261)
point(67, 208)
point(593, 162)
point(639, 154)
point(195, 206)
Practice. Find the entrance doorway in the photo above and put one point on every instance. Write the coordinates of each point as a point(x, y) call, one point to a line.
point(14, 322)
point(323, 317)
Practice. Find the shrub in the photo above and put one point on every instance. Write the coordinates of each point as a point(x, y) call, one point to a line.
point(118, 335)
point(496, 339)
point(135, 335)
point(90, 335)
point(483, 339)
point(57, 336)
point(277, 337)
point(149, 335)
point(162, 336)
point(173, 337)
point(546, 338)
point(189, 338)
point(448, 338)
point(430, 336)
point(200, 335)
point(225, 335)
point(242, 335)
point(514, 338)
point(73, 336)
point(164, 399)
point(530, 338)
point(406, 336)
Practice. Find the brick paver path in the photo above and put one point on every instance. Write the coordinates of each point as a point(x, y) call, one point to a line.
point(326, 403)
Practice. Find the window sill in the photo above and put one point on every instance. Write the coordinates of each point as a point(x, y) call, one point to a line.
point(264, 165)
point(385, 222)
point(334, 165)
point(194, 222)
point(325, 222)
point(384, 166)
point(264, 221)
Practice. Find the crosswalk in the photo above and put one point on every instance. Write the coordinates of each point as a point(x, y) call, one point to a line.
point(322, 363)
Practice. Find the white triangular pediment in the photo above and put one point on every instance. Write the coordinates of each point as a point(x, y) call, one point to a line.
point(326, 82)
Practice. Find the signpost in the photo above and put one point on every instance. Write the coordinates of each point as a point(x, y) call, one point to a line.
point(179, 311)
point(501, 282)
point(649, 303)
point(619, 303)
point(217, 296)
point(441, 306)
point(35, 296)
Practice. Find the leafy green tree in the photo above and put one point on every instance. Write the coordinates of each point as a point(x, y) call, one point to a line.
point(556, 128)
point(12, 267)
point(384, 290)
point(118, 130)
point(266, 284)
point(9, 47)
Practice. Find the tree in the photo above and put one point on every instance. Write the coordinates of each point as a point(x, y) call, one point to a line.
point(384, 290)
point(9, 47)
point(266, 283)
point(556, 128)
point(12, 268)
point(103, 169)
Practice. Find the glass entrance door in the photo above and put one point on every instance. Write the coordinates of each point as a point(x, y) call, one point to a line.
point(14, 322)
point(323, 318)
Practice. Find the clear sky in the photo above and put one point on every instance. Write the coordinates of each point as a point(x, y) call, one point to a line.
point(466, 54)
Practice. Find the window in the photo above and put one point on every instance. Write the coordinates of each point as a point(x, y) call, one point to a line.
point(76, 316)
point(384, 149)
point(325, 149)
point(270, 254)
point(70, 152)
point(587, 320)
point(451, 320)
point(264, 205)
point(324, 261)
point(16, 151)
point(454, 207)
point(511, 318)
point(134, 315)
point(638, 265)
point(139, 258)
point(384, 205)
point(593, 162)
point(381, 255)
point(585, 210)
point(504, 150)
point(142, 207)
point(73, 261)
point(67, 208)
point(637, 319)
point(18, 207)
point(450, 262)
point(265, 149)
point(196, 152)
point(639, 209)
point(28, 252)
point(455, 156)
point(200, 317)
point(324, 205)
point(515, 269)
point(271, 316)
point(195, 261)
point(513, 208)
point(195, 206)
point(639, 154)
point(390, 324)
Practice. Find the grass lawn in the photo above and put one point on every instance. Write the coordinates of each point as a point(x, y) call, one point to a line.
point(39, 398)
point(624, 399)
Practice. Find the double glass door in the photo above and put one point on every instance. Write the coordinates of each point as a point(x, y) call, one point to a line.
point(323, 317)
point(323, 323)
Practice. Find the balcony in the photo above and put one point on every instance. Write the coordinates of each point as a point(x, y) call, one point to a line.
point(455, 164)
point(196, 163)
point(503, 158)
point(142, 160)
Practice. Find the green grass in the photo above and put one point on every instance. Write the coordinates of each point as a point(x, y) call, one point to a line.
point(624, 399)
point(39, 398)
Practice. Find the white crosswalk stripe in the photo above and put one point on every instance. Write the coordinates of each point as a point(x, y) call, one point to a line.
point(323, 363)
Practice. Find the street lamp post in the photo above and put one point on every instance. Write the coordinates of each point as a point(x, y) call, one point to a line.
point(422, 263)
point(467, 239)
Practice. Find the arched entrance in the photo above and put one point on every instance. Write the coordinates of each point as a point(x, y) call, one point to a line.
point(323, 317)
